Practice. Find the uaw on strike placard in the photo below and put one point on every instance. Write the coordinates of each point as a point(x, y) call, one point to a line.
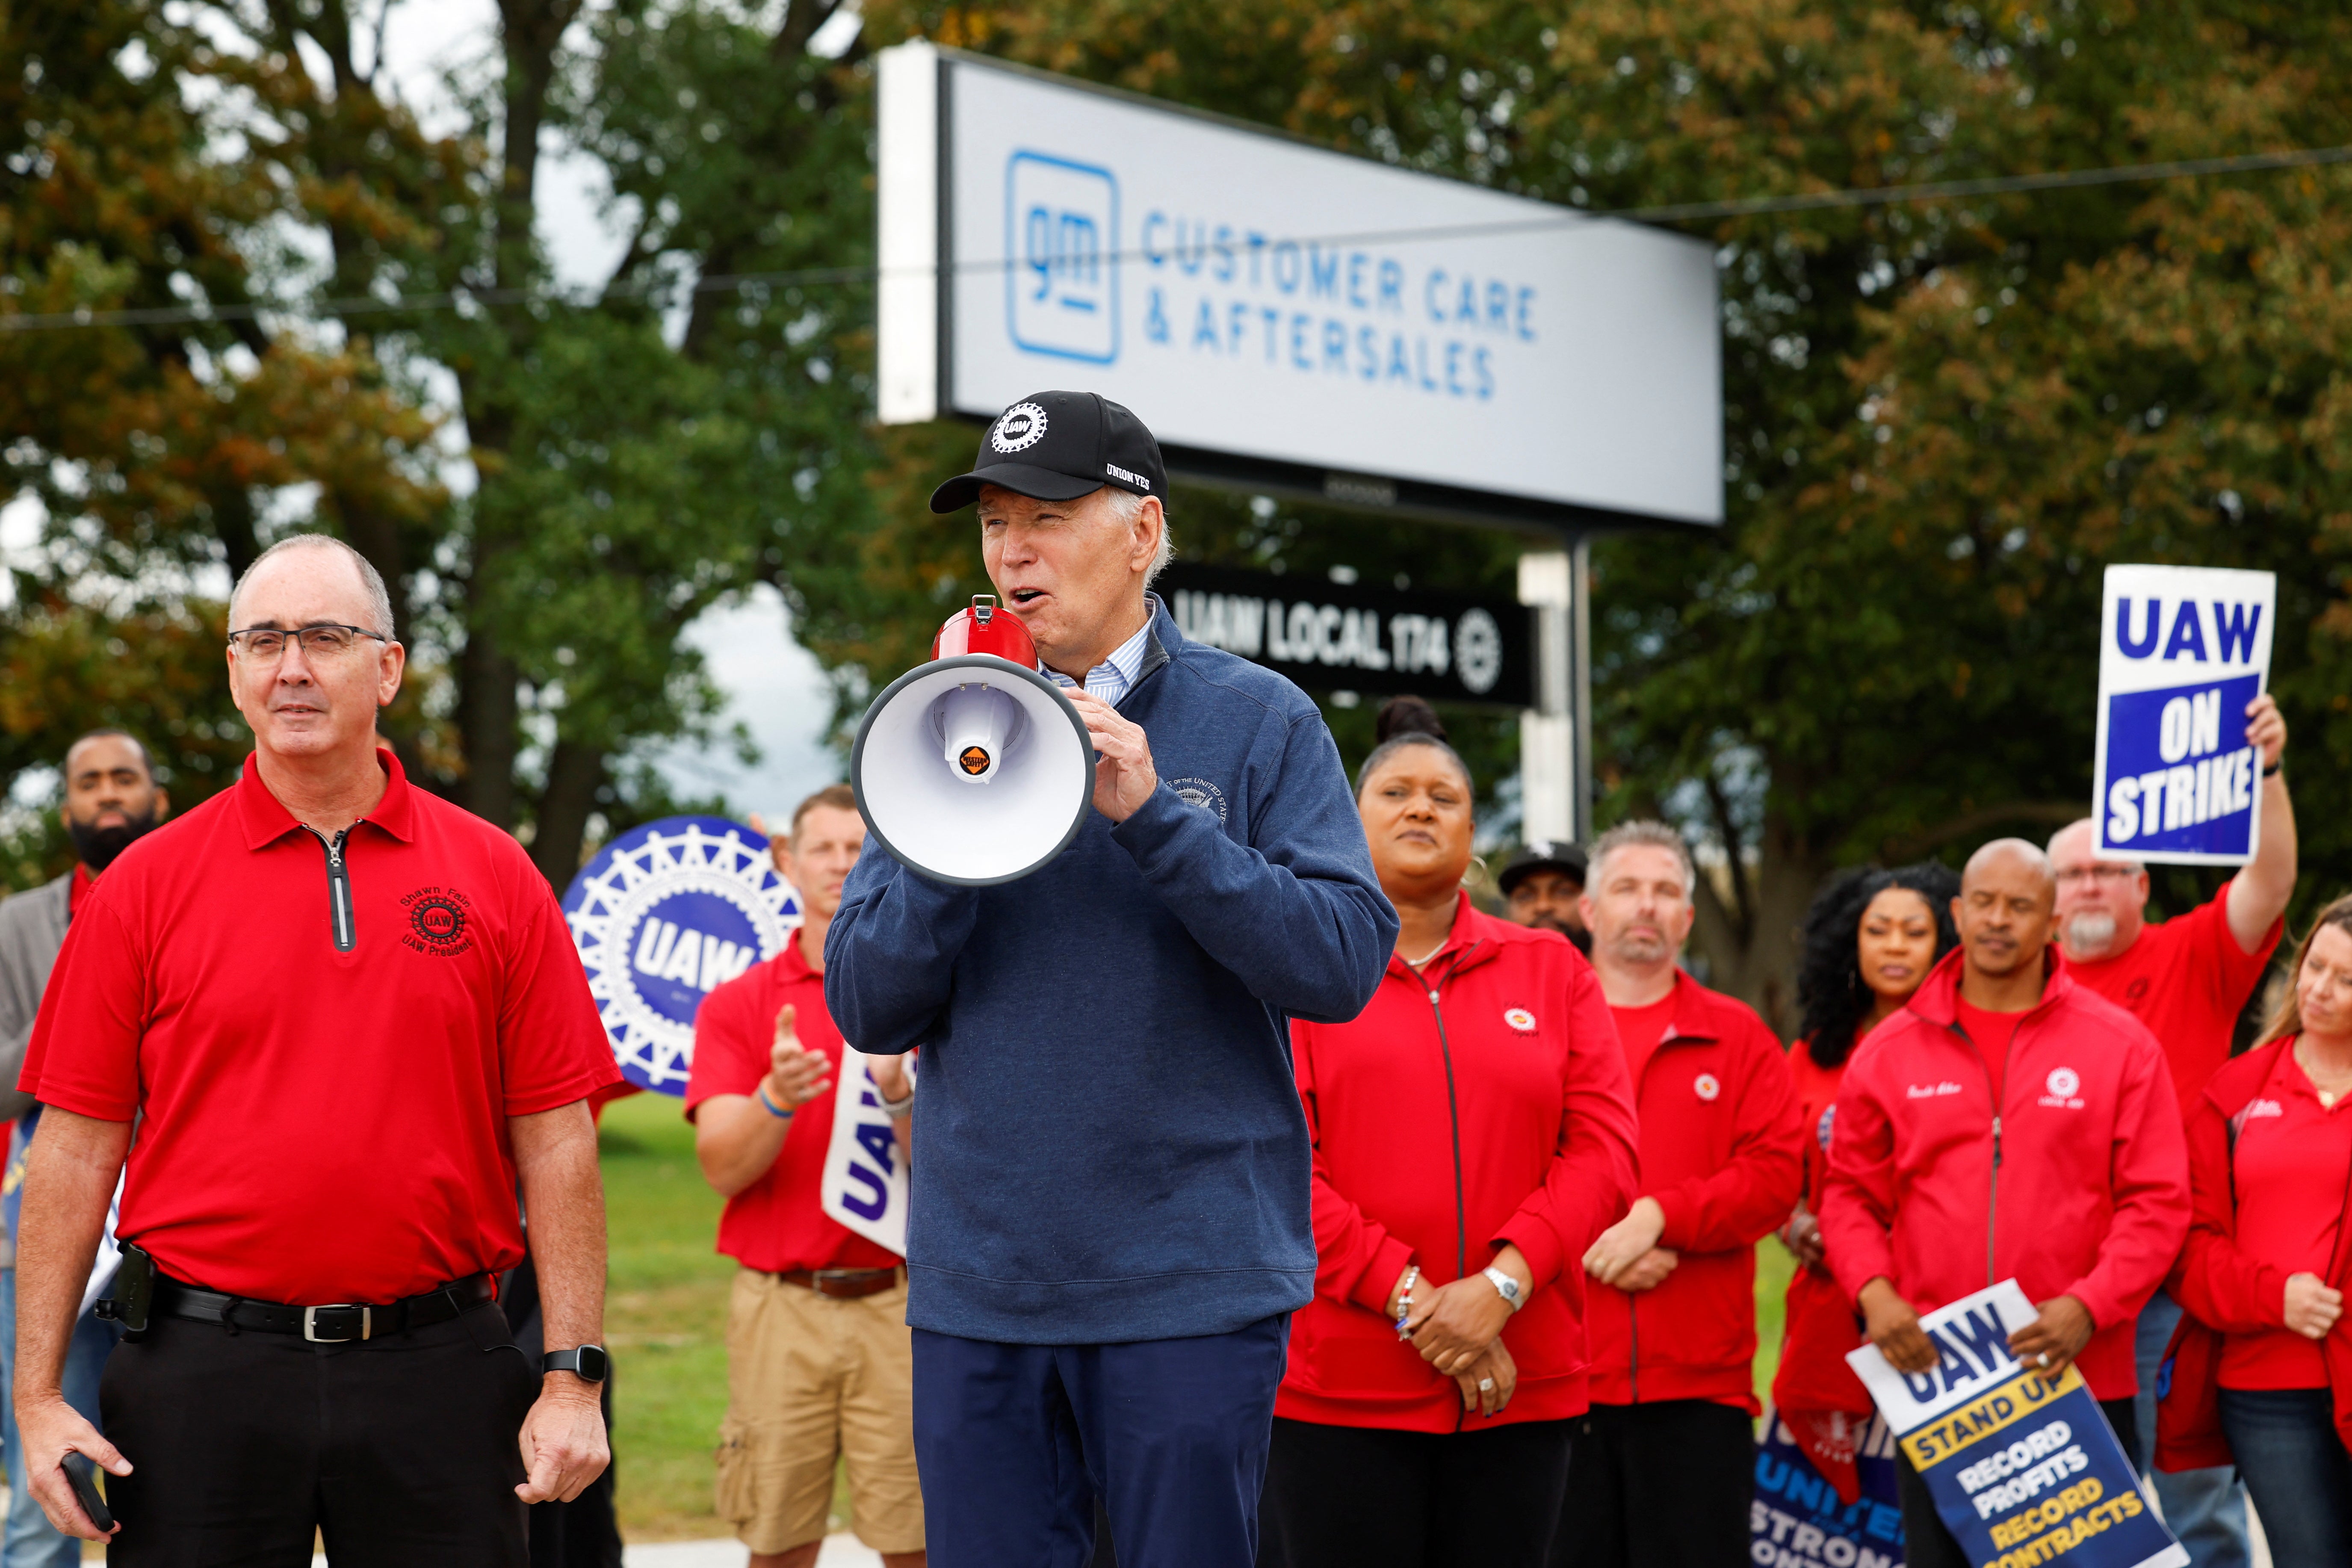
point(2022, 1467)
point(2182, 651)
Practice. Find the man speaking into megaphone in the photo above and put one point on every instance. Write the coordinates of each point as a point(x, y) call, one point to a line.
point(1109, 1225)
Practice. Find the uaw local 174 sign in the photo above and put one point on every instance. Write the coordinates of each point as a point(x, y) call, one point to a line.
point(2182, 651)
point(1327, 636)
point(662, 916)
point(2023, 1468)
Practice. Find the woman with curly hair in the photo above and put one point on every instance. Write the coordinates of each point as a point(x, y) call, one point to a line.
point(1870, 939)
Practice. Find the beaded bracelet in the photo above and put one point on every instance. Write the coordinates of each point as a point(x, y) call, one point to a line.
point(1404, 1300)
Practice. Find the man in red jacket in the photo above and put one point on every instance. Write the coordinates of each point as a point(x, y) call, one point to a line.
point(2187, 979)
point(1663, 1469)
point(2007, 1124)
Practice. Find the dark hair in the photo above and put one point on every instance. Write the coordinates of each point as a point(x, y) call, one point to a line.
point(1408, 721)
point(1832, 994)
point(107, 731)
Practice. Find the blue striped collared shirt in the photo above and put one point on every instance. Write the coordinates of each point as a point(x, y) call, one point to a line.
point(1115, 677)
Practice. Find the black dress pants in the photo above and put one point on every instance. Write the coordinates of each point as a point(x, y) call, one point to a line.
point(401, 1449)
point(1661, 1484)
point(1361, 1497)
point(1927, 1544)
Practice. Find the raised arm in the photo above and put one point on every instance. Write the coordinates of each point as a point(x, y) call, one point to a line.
point(890, 957)
point(2259, 892)
point(1296, 912)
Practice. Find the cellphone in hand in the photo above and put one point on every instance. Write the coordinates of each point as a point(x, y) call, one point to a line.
point(83, 1475)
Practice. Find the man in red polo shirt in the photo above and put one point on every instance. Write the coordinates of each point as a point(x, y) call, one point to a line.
point(1662, 1468)
point(348, 1024)
point(819, 1361)
point(2187, 979)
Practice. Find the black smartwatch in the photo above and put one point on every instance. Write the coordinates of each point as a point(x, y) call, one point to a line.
point(587, 1363)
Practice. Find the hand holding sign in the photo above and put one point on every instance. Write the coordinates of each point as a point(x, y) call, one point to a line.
point(795, 1075)
point(2266, 729)
point(2051, 1342)
point(1892, 1325)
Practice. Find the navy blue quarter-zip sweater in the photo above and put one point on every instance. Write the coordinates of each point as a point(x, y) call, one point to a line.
point(1110, 1145)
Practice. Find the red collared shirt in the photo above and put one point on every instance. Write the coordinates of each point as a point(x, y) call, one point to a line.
point(2289, 1168)
point(322, 1074)
point(79, 888)
point(779, 1221)
point(2187, 979)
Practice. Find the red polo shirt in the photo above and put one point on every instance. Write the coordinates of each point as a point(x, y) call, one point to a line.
point(779, 1221)
point(2186, 979)
point(2289, 1171)
point(319, 1125)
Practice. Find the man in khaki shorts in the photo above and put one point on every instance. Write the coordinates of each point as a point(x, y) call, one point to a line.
point(818, 1359)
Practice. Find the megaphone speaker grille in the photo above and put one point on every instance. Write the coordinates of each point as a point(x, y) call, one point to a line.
point(996, 801)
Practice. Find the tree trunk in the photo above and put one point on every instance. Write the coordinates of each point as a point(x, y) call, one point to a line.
point(574, 773)
point(1753, 940)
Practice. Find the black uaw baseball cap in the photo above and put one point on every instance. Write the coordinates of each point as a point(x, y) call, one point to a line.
point(1059, 446)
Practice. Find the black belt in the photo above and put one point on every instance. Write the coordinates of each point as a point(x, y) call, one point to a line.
point(338, 1324)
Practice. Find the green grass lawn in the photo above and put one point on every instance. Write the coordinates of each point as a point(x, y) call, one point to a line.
point(665, 1320)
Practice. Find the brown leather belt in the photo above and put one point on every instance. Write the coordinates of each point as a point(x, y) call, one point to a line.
point(843, 1284)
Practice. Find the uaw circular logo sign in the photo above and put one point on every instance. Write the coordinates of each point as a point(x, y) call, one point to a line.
point(1021, 427)
point(667, 914)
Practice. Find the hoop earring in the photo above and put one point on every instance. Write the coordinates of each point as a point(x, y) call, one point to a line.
point(1475, 871)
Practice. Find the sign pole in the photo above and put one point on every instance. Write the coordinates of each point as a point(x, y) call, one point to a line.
point(1548, 752)
point(1580, 692)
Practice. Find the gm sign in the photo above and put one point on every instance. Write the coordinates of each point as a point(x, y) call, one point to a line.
point(1061, 235)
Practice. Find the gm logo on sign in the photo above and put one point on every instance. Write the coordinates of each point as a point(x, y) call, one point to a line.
point(1061, 233)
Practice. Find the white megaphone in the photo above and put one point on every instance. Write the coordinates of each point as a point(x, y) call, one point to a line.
point(975, 769)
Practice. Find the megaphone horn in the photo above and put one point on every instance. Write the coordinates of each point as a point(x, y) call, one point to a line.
point(978, 714)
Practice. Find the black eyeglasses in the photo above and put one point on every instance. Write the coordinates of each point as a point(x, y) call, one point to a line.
point(323, 640)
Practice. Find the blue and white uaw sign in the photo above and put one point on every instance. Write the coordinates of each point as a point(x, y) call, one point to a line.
point(864, 1182)
point(1797, 1519)
point(2182, 651)
point(664, 915)
point(2022, 1467)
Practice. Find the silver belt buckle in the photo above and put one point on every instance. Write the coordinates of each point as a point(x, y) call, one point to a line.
point(310, 1324)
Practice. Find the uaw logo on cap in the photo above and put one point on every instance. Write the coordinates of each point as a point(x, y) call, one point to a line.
point(1019, 428)
point(664, 915)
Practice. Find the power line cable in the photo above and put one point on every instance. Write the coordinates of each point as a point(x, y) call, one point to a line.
point(813, 276)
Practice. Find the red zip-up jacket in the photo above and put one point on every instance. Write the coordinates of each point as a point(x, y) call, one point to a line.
point(1479, 1102)
point(2221, 1291)
point(2076, 1185)
point(1721, 1152)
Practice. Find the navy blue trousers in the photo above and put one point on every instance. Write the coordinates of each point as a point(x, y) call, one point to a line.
point(1015, 1443)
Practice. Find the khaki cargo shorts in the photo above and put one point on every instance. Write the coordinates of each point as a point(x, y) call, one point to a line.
point(811, 1378)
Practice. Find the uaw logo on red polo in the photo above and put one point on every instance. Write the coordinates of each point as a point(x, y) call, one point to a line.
point(438, 922)
point(1520, 1019)
point(1706, 1086)
point(2182, 652)
point(2064, 1085)
point(662, 916)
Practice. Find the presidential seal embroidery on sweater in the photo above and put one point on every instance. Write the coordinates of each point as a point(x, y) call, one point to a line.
point(1201, 793)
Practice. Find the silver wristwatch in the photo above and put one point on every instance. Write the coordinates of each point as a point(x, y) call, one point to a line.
point(1505, 1287)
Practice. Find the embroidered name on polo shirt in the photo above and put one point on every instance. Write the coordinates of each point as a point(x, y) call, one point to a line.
point(1930, 1090)
point(438, 922)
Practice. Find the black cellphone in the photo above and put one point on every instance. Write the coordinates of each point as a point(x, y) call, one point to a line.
point(83, 1475)
point(132, 1294)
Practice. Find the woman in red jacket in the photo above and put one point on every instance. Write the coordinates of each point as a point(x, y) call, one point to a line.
point(2262, 1366)
point(1473, 1131)
point(1870, 939)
